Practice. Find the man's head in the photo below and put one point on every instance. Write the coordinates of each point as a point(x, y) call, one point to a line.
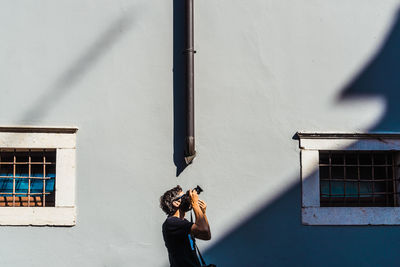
point(170, 201)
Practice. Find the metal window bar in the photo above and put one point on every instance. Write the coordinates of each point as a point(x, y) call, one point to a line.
point(29, 178)
point(374, 185)
point(330, 177)
point(373, 177)
point(394, 180)
point(344, 178)
point(350, 180)
point(19, 198)
point(364, 194)
point(359, 179)
point(44, 180)
point(41, 193)
point(386, 182)
point(14, 168)
point(26, 177)
point(354, 165)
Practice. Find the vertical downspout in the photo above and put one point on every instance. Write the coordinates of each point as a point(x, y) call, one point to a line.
point(190, 152)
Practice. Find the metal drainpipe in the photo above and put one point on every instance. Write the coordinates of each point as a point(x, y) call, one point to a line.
point(190, 152)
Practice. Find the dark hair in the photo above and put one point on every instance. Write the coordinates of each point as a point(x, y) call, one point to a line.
point(167, 198)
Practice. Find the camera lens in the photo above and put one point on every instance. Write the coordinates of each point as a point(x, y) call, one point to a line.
point(198, 189)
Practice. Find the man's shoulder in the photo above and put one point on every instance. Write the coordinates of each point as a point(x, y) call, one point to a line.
point(175, 220)
point(172, 223)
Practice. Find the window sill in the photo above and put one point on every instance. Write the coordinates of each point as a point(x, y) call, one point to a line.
point(351, 216)
point(38, 216)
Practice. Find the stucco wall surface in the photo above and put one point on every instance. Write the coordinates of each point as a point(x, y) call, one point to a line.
point(264, 70)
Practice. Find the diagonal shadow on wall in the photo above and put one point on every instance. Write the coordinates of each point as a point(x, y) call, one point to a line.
point(274, 236)
point(71, 77)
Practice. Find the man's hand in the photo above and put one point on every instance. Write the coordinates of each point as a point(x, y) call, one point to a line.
point(200, 229)
point(194, 197)
point(203, 206)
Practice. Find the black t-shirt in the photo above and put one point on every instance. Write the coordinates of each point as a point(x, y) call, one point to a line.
point(181, 250)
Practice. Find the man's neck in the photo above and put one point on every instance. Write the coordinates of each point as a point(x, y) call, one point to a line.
point(180, 214)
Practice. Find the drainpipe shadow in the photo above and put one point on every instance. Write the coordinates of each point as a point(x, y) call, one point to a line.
point(179, 86)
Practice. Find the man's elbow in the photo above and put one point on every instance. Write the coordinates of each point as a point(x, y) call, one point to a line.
point(208, 237)
point(206, 234)
point(201, 232)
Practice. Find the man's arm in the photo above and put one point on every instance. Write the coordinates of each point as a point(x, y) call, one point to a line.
point(200, 229)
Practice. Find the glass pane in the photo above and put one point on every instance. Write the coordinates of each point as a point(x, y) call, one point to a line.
point(7, 157)
point(36, 186)
point(323, 158)
point(36, 157)
point(379, 159)
point(324, 187)
point(21, 186)
point(37, 170)
point(352, 189)
point(337, 188)
point(51, 171)
point(352, 173)
point(21, 170)
point(365, 159)
point(365, 173)
point(6, 186)
point(6, 170)
point(380, 186)
point(337, 172)
point(50, 185)
point(365, 188)
point(51, 157)
point(379, 173)
point(324, 172)
point(337, 158)
point(351, 158)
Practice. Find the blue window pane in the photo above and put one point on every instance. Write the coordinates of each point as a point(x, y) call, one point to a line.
point(50, 185)
point(337, 188)
point(325, 187)
point(36, 186)
point(352, 189)
point(6, 185)
point(21, 186)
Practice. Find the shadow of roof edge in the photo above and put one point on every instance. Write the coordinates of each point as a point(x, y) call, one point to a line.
point(344, 135)
point(39, 129)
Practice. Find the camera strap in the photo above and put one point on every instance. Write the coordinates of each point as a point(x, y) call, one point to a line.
point(195, 245)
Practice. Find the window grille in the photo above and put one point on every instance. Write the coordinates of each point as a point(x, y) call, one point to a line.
point(357, 179)
point(27, 177)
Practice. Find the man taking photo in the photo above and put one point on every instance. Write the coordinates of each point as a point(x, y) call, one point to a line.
point(178, 232)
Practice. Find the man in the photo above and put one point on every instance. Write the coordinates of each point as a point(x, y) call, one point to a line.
point(178, 232)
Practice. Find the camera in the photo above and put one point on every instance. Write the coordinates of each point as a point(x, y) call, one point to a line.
point(186, 201)
point(198, 190)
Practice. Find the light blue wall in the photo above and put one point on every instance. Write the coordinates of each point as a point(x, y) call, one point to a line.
point(264, 70)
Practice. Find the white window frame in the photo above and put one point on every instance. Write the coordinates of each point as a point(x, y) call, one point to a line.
point(63, 139)
point(312, 212)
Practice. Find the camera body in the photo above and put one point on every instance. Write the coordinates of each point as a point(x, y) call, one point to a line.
point(186, 201)
point(198, 190)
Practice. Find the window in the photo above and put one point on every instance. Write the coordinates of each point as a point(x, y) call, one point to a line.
point(27, 177)
point(357, 179)
point(350, 179)
point(37, 176)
